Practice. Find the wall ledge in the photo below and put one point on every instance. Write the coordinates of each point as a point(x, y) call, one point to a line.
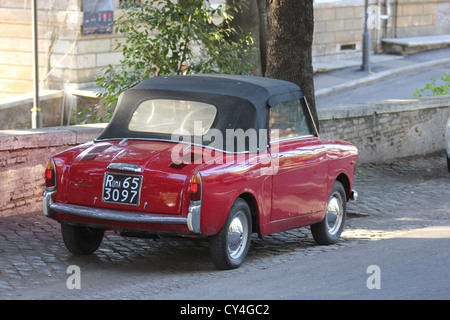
point(48, 137)
point(381, 107)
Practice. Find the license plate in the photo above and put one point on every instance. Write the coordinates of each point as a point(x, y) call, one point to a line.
point(121, 188)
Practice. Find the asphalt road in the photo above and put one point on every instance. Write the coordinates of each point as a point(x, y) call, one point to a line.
point(396, 87)
point(411, 266)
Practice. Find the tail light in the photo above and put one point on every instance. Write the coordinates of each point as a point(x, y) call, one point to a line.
point(195, 187)
point(50, 174)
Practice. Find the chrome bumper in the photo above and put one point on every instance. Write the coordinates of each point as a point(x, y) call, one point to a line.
point(354, 195)
point(192, 220)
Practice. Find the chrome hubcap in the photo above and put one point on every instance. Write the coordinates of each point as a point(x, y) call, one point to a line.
point(237, 235)
point(335, 213)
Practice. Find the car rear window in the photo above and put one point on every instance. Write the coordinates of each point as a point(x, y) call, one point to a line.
point(173, 116)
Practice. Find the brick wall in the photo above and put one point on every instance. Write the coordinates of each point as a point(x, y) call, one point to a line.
point(23, 156)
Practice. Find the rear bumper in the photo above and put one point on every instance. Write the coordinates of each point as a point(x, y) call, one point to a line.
point(354, 195)
point(192, 220)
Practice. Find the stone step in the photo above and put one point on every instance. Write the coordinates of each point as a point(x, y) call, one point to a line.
point(407, 46)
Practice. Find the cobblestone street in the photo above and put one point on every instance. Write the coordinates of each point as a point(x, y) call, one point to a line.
point(393, 197)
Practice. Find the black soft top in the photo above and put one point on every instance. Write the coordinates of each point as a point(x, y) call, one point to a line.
point(242, 102)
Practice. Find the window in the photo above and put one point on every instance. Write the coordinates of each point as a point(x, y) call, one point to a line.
point(289, 118)
point(173, 116)
point(347, 47)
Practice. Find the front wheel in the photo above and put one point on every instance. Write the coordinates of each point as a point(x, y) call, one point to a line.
point(230, 246)
point(330, 228)
point(81, 240)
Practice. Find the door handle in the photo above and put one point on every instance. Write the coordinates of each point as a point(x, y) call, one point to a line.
point(277, 155)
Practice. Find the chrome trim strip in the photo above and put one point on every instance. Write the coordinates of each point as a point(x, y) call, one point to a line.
point(115, 215)
point(306, 136)
point(354, 195)
point(193, 218)
point(312, 118)
point(177, 142)
point(47, 201)
point(126, 167)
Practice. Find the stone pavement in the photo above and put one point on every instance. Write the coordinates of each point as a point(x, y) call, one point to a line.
point(394, 197)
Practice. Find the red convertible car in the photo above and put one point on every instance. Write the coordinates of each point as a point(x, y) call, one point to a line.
point(216, 156)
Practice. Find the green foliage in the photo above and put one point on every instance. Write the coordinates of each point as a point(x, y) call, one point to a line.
point(96, 114)
point(165, 37)
point(435, 90)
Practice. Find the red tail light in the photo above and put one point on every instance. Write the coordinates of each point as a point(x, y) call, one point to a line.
point(195, 187)
point(50, 174)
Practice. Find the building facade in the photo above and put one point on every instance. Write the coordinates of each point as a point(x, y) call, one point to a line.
point(71, 54)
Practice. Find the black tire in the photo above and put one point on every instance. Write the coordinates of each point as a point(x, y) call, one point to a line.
point(330, 228)
point(81, 240)
point(230, 246)
point(448, 164)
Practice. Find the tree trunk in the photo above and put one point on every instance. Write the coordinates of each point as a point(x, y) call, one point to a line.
point(252, 19)
point(289, 45)
point(263, 31)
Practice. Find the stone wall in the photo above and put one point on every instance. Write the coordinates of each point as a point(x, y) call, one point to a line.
point(57, 108)
point(15, 111)
point(338, 28)
point(389, 129)
point(416, 18)
point(67, 59)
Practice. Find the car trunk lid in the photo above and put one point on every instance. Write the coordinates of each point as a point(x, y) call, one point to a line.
point(99, 175)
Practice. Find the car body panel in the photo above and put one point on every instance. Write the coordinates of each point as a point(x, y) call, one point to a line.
point(302, 167)
point(161, 180)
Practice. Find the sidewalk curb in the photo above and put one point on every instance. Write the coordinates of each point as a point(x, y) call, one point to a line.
point(378, 76)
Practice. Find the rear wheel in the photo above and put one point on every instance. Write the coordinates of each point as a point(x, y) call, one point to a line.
point(330, 228)
point(230, 246)
point(81, 240)
point(448, 164)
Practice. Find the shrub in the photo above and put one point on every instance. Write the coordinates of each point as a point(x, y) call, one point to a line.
point(436, 90)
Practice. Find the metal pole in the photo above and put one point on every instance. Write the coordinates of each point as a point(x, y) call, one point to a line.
point(36, 116)
point(366, 41)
